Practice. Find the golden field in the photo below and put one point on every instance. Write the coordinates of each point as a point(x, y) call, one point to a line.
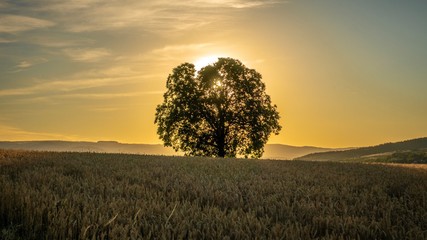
point(46, 195)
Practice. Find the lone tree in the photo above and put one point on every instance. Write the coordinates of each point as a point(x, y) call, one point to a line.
point(220, 111)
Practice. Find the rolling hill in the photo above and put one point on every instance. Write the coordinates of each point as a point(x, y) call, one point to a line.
point(99, 147)
point(272, 151)
point(286, 152)
point(419, 144)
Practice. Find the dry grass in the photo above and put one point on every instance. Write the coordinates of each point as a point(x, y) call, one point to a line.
point(117, 196)
point(421, 167)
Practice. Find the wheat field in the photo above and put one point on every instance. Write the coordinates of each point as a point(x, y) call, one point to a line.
point(46, 195)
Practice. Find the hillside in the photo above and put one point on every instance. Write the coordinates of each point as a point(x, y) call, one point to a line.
point(419, 144)
point(99, 147)
point(280, 151)
point(272, 151)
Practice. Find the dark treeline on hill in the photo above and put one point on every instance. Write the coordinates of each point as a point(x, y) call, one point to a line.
point(418, 145)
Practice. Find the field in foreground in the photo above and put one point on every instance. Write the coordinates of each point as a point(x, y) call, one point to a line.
point(116, 196)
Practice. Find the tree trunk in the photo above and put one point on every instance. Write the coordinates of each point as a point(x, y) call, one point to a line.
point(221, 146)
point(221, 136)
point(221, 132)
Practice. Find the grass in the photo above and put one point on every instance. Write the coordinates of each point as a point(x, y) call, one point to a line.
point(116, 196)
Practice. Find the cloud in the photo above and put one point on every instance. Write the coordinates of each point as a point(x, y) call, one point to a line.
point(57, 86)
point(221, 3)
point(30, 62)
point(17, 91)
point(173, 54)
point(235, 3)
point(53, 40)
point(115, 76)
point(11, 133)
point(87, 54)
point(4, 40)
point(106, 109)
point(4, 5)
point(151, 15)
point(16, 23)
point(182, 48)
point(102, 96)
point(24, 64)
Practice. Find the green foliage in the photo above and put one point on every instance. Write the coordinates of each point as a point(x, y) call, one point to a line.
point(117, 196)
point(221, 111)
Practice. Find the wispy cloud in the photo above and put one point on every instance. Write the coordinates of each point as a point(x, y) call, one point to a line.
point(69, 87)
point(53, 40)
point(182, 48)
point(16, 23)
point(152, 15)
point(102, 96)
point(5, 40)
point(87, 54)
point(106, 109)
point(11, 133)
point(30, 62)
point(150, 18)
point(173, 54)
point(221, 3)
point(58, 86)
point(235, 3)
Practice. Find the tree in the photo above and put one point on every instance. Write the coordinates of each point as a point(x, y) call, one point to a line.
point(220, 111)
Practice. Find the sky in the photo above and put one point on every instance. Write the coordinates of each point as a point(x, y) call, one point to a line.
point(342, 73)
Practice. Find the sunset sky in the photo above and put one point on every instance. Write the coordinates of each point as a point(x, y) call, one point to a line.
point(342, 73)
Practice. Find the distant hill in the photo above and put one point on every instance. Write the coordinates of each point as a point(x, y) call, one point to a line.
point(272, 151)
point(100, 147)
point(286, 152)
point(419, 144)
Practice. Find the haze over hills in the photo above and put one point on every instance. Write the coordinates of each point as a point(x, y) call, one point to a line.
point(99, 147)
point(272, 151)
point(281, 151)
point(419, 144)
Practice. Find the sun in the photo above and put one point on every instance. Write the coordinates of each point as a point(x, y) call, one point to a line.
point(204, 61)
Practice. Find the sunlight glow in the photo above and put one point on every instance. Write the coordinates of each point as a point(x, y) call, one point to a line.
point(218, 84)
point(204, 61)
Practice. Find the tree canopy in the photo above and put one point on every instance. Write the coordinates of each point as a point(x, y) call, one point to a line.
point(220, 111)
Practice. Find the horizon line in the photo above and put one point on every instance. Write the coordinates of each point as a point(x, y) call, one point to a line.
point(134, 143)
